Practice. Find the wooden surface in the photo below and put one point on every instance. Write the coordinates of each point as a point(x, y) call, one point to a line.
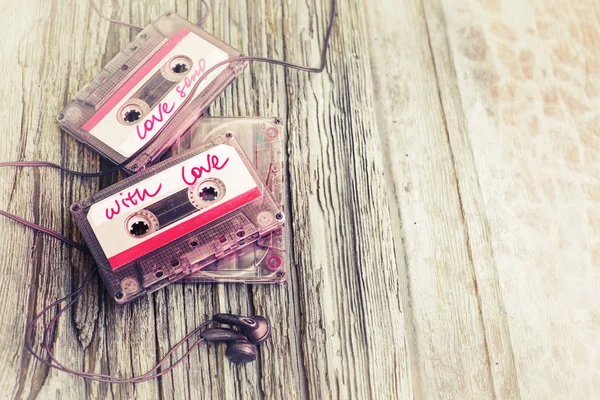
point(445, 194)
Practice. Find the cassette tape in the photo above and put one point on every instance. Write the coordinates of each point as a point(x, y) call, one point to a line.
point(263, 140)
point(140, 98)
point(176, 217)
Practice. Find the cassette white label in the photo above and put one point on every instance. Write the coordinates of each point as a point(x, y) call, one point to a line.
point(140, 107)
point(173, 202)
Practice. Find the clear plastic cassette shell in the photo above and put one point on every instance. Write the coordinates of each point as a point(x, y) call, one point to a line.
point(177, 217)
point(138, 95)
point(263, 140)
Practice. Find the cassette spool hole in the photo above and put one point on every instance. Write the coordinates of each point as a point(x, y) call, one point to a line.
point(138, 226)
point(180, 65)
point(179, 68)
point(209, 193)
point(131, 115)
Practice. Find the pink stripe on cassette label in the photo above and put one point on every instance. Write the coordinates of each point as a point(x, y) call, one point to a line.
point(184, 228)
point(171, 203)
point(143, 105)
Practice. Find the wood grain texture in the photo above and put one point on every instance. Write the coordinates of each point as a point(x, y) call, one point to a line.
point(528, 83)
point(445, 198)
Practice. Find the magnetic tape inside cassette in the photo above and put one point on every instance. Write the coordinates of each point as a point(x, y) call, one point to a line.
point(177, 217)
point(263, 140)
point(140, 99)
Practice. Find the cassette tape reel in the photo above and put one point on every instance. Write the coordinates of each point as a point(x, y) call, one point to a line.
point(137, 97)
point(262, 139)
point(177, 217)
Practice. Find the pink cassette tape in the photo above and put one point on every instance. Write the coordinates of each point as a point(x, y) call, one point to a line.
point(139, 95)
point(177, 217)
point(262, 139)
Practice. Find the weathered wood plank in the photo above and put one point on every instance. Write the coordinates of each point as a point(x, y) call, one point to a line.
point(528, 83)
point(43, 266)
point(353, 334)
point(449, 346)
point(493, 313)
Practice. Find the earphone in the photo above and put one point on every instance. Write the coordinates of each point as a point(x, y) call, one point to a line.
point(241, 345)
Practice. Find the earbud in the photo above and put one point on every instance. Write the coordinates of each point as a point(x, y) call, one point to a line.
point(222, 335)
point(239, 349)
point(257, 329)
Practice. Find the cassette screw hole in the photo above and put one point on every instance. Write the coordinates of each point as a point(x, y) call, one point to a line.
point(159, 274)
point(241, 234)
point(229, 135)
point(179, 68)
point(119, 296)
point(61, 116)
point(279, 216)
point(124, 67)
point(174, 263)
point(143, 36)
point(277, 121)
point(209, 193)
point(280, 274)
point(75, 207)
point(194, 243)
